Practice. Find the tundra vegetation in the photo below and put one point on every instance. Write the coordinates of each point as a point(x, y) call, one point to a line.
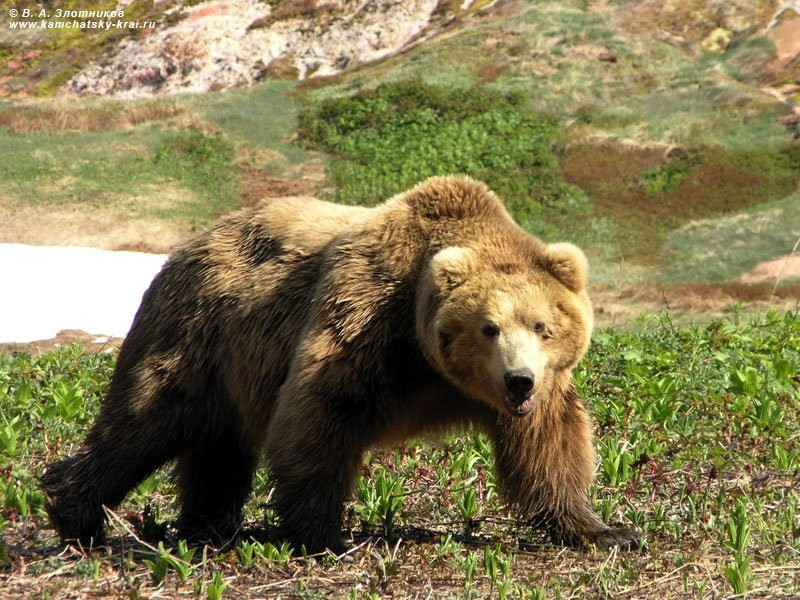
point(698, 448)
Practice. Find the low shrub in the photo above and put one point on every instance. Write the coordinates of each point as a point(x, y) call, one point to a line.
point(386, 139)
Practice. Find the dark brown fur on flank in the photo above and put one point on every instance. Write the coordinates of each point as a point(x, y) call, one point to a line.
point(308, 332)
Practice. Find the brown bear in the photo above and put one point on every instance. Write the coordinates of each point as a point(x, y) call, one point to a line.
point(309, 332)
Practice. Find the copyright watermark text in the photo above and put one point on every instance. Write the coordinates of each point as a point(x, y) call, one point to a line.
point(61, 18)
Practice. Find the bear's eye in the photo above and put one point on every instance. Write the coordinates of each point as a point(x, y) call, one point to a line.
point(539, 327)
point(490, 330)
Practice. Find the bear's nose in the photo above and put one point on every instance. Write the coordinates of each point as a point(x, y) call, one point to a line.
point(519, 382)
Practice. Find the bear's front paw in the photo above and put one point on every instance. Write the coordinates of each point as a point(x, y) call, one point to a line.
point(622, 537)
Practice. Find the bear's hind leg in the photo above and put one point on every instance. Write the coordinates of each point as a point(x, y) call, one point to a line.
point(215, 476)
point(122, 448)
point(215, 482)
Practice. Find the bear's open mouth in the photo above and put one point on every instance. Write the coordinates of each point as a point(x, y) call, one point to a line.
point(517, 408)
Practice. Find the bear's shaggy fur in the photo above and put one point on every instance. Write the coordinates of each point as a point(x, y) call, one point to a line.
point(309, 332)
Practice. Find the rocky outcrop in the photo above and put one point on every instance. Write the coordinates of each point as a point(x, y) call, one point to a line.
point(227, 43)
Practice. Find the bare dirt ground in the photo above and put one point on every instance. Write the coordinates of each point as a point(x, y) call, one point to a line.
point(695, 302)
point(784, 267)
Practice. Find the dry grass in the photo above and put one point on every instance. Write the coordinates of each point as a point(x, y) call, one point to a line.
point(778, 280)
point(65, 118)
point(689, 19)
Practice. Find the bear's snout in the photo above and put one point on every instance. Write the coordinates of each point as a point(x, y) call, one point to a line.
point(519, 383)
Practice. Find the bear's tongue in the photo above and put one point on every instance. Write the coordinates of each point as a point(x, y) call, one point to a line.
point(519, 409)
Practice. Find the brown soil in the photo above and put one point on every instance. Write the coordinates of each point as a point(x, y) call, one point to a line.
point(258, 184)
point(784, 267)
point(92, 343)
point(696, 302)
point(786, 37)
point(707, 182)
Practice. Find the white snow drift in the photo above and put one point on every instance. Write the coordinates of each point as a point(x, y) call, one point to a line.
point(46, 289)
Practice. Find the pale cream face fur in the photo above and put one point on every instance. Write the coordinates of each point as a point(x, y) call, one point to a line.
point(517, 345)
point(490, 325)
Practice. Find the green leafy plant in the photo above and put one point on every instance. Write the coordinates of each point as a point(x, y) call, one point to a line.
point(382, 500)
point(159, 565)
point(470, 565)
point(247, 551)
point(165, 561)
point(469, 509)
point(275, 555)
point(206, 164)
point(216, 588)
point(686, 449)
point(10, 431)
point(667, 177)
point(739, 573)
point(617, 461)
point(495, 564)
point(389, 138)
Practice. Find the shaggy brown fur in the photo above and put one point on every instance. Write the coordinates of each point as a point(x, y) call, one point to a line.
point(310, 332)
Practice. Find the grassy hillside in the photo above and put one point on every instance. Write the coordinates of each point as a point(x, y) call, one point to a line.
point(173, 164)
point(655, 130)
point(698, 448)
point(614, 126)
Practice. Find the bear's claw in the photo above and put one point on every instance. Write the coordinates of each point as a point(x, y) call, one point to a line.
point(621, 537)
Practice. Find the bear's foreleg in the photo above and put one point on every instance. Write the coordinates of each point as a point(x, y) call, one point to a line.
point(546, 463)
point(313, 457)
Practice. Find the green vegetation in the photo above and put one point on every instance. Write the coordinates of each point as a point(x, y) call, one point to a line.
point(204, 164)
point(698, 447)
point(94, 154)
point(589, 127)
point(259, 119)
point(618, 200)
point(175, 163)
point(387, 139)
point(650, 193)
point(188, 177)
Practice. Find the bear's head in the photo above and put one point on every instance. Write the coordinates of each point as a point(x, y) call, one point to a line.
point(505, 332)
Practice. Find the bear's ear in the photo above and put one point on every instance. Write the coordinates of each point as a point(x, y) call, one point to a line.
point(568, 264)
point(450, 267)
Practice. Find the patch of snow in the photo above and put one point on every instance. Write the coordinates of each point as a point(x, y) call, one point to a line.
point(47, 289)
